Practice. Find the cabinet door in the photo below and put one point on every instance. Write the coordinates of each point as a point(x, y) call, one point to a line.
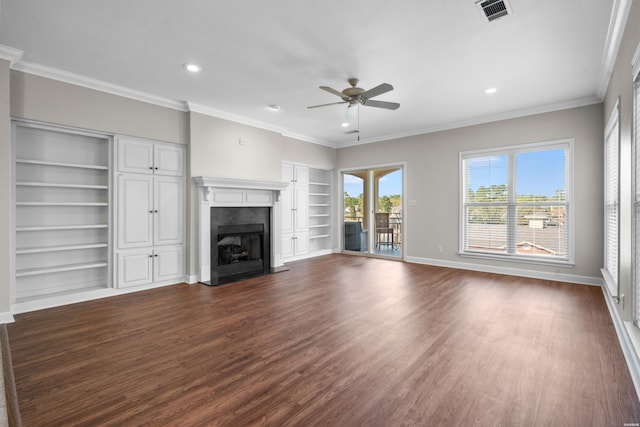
point(168, 159)
point(168, 210)
point(135, 156)
point(168, 263)
point(286, 203)
point(135, 211)
point(135, 267)
point(301, 175)
point(301, 244)
point(301, 208)
point(287, 245)
point(287, 172)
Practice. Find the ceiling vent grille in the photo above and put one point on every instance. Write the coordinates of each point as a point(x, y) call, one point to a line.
point(493, 9)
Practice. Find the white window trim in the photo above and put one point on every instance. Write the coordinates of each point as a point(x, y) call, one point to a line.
point(635, 202)
point(514, 149)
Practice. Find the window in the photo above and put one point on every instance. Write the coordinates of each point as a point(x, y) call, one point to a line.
point(611, 204)
point(516, 202)
point(636, 207)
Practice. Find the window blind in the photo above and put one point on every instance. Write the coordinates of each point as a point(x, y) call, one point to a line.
point(611, 203)
point(515, 202)
point(636, 228)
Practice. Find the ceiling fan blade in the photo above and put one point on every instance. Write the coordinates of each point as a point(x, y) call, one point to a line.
point(378, 90)
point(335, 92)
point(324, 105)
point(381, 104)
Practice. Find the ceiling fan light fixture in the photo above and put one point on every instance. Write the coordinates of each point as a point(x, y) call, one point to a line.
point(491, 90)
point(352, 111)
point(273, 107)
point(192, 68)
point(345, 124)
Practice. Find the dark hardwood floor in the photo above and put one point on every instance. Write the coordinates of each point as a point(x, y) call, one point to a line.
point(337, 340)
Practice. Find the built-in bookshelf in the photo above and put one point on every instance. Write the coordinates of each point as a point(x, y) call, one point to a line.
point(61, 216)
point(319, 225)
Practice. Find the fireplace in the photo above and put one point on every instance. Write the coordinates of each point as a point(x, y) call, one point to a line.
point(231, 193)
point(240, 243)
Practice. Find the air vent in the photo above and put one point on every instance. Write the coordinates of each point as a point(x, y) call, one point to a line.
point(493, 9)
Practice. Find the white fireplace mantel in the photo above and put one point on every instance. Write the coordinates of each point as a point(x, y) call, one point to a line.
point(230, 192)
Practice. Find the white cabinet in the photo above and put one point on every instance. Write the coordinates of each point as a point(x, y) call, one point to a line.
point(150, 210)
point(135, 211)
point(295, 203)
point(295, 245)
point(306, 211)
point(61, 218)
point(150, 157)
point(150, 217)
point(147, 265)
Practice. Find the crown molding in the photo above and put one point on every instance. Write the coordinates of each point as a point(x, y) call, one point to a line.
point(10, 54)
point(549, 108)
point(619, 14)
point(95, 84)
point(212, 112)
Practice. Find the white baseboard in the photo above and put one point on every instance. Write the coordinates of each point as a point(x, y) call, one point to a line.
point(194, 278)
point(308, 255)
point(44, 303)
point(534, 274)
point(6, 317)
point(630, 351)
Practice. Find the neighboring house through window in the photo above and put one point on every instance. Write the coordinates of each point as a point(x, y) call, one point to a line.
point(516, 202)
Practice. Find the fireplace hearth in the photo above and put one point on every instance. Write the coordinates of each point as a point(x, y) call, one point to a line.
point(240, 243)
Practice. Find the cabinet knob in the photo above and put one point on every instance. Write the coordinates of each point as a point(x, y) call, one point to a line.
point(156, 211)
point(150, 256)
point(156, 255)
point(150, 211)
point(156, 168)
point(151, 167)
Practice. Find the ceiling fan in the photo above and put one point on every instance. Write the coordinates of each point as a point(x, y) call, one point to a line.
point(355, 95)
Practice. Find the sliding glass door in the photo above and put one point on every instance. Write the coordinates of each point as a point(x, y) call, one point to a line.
point(373, 211)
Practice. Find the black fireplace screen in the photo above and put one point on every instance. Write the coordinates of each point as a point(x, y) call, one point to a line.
point(237, 248)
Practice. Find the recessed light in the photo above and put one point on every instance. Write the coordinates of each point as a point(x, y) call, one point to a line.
point(192, 67)
point(274, 107)
point(491, 90)
point(345, 124)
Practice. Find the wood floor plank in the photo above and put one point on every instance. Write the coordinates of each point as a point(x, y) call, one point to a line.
point(337, 340)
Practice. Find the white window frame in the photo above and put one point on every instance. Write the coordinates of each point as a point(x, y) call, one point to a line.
point(511, 151)
point(611, 261)
point(635, 186)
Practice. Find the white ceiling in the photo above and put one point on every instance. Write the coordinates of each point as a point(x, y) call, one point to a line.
point(440, 55)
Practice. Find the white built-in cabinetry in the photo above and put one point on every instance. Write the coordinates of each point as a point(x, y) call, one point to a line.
point(306, 211)
point(294, 201)
point(150, 219)
point(320, 210)
point(62, 206)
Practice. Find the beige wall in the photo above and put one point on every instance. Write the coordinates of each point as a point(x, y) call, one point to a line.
point(5, 189)
point(216, 151)
point(433, 181)
point(620, 87)
point(51, 101)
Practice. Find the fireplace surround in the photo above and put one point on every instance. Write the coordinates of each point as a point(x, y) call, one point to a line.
point(236, 193)
point(240, 243)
